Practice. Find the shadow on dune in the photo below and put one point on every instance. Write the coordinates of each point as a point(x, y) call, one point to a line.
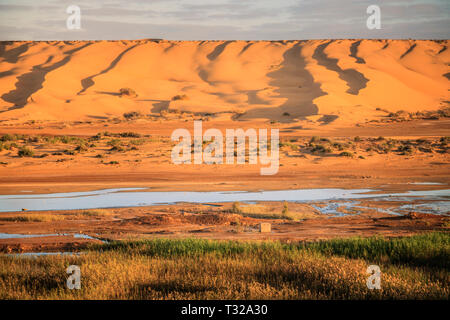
point(31, 82)
point(409, 51)
point(294, 83)
point(13, 55)
point(108, 93)
point(88, 82)
point(355, 80)
point(354, 52)
point(218, 50)
point(160, 106)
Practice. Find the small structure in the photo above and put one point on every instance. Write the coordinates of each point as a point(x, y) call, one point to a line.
point(265, 227)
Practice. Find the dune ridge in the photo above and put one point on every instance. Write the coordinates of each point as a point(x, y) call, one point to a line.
point(341, 80)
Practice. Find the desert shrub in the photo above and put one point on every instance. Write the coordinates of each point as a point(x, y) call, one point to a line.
point(444, 112)
point(127, 92)
point(33, 139)
point(137, 142)
point(180, 97)
point(132, 115)
point(25, 152)
point(405, 149)
point(444, 140)
point(7, 145)
point(114, 142)
point(285, 211)
point(338, 145)
point(346, 154)
point(319, 148)
point(82, 148)
point(129, 135)
point(117, 149)
point(8, 137)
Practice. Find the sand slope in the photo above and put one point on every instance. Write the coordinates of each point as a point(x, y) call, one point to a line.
point(319, 80)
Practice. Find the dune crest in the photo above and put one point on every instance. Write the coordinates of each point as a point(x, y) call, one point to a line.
point(278, 80)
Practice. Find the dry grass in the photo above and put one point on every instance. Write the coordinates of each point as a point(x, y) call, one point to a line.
point(31, 217)
point(95, 213)
point(39, 217)
point(260, 211)
point(202, 269)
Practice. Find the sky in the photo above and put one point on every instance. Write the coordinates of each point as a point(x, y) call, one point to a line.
point(223, 19)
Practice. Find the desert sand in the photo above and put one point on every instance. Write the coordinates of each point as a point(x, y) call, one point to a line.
point(383, 102)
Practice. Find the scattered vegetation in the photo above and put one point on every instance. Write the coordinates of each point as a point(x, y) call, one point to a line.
point(132, 115)
point(401, 115)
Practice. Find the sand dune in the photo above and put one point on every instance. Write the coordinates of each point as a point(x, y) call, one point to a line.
point(340, 80)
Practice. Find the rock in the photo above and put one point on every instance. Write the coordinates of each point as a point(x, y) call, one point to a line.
point(412, 215)
point(265, 227)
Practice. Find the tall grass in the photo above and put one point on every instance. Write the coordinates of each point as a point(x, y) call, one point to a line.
point(207, 269)
point(425, 250)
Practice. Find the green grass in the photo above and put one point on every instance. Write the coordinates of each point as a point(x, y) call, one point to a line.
point(209, 269)
point(427, 250)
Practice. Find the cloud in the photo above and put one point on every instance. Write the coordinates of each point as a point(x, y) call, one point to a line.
point(223, 19)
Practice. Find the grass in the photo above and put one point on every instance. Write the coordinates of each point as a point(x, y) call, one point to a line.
point(33, 218)
point(208, 269)
point(260, 211)
point(38, 217)
point(95, 213)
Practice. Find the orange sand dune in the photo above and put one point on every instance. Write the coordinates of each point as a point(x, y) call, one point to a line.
point(341, 80)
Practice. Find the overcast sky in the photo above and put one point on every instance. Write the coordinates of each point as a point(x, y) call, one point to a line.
point(223, 19)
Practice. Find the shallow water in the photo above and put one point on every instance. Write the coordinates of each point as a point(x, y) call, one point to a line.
point(21, 236)
point(132, 197)
point(41, 254)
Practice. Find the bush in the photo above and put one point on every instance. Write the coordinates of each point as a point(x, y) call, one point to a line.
point(405, 149)
point(236, 208)
point(131, 115)
point(180, 97)
point(8, 137)
point(25, 152)
point(127, 92)
point(81, 148)
point(320, 149)
point(285, 212)
point(129, 135)
point(346, 154)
